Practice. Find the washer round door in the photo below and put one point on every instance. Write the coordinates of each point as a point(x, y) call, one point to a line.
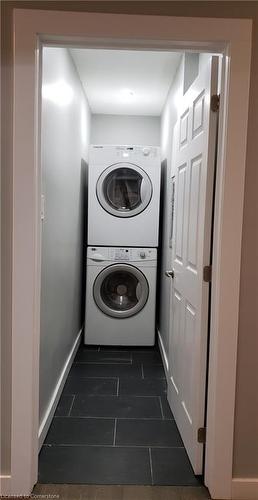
point(120, 290)
point(124, 190)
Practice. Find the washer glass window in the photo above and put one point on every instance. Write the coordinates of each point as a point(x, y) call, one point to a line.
point(121, 290)
point(124, 190)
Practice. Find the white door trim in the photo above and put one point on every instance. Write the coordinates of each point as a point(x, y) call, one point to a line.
point(142, 32)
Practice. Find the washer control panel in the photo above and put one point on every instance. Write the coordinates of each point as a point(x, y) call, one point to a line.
point(117, 254)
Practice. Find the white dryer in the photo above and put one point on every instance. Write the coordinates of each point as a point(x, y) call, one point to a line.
point(120, 296)
point(124, 196)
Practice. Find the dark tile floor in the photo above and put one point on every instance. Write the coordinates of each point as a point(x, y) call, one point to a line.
point(113, 424)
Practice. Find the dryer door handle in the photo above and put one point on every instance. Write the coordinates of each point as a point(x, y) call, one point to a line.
point(143, 189)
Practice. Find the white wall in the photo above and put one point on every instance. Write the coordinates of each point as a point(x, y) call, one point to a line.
point(121, 129)
point(65, 139)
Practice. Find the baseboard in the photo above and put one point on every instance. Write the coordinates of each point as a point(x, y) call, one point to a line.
point(245, 488)
point(5, 486)
point(47, 419)
point(163, 353)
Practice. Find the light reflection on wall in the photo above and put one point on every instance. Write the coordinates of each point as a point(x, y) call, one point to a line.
point(60, 93)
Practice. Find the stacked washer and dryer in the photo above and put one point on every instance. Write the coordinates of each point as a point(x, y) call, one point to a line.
point(123, 230)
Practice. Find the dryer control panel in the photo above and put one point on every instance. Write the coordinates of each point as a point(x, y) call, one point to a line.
point(130, 152)
point(124, 153)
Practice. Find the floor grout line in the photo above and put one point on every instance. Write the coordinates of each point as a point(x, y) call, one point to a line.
point(117, 388)
point(114, 439)
point(116, 446)
point(151, 469)
point(89, 377)
point(161, 408)
point(69, 413)
point(102, 362)
point(88, 394)
point(120, 418)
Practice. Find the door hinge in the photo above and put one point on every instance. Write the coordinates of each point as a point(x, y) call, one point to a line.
point(215, 101)
point(201, 435)
point(207, 273)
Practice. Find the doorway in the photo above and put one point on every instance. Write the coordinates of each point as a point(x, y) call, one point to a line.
point(240, 56)
point(82, 105)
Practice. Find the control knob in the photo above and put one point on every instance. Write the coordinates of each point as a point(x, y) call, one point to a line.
point(142, 255)
point(146, 151)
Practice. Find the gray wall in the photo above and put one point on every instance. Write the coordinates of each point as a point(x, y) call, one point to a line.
point(118, 129)
point(65, 138)
point(168, 120)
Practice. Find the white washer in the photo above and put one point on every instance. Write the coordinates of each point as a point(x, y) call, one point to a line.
point(124, 196)
point(120, 296)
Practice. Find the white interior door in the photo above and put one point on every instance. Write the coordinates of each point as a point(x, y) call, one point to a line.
point(194, 159)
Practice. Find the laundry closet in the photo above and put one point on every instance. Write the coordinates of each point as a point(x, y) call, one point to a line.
point(126, 228)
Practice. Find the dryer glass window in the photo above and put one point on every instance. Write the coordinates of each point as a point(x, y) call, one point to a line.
point(122, 189)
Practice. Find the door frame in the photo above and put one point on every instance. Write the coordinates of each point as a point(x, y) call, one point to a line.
point(232, 38)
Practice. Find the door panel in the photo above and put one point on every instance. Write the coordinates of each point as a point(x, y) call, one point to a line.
point(194, 143)
point(193, 218)
point(175, 355)
point(180, 207)
point(184, 120)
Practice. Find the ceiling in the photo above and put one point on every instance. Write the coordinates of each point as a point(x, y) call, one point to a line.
point(127, 82)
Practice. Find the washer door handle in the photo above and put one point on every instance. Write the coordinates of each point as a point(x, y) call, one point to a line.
point(98, 257)
point(138, 291)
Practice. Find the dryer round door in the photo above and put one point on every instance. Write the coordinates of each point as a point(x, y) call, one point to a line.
point(124, 190)
point(120, 290)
